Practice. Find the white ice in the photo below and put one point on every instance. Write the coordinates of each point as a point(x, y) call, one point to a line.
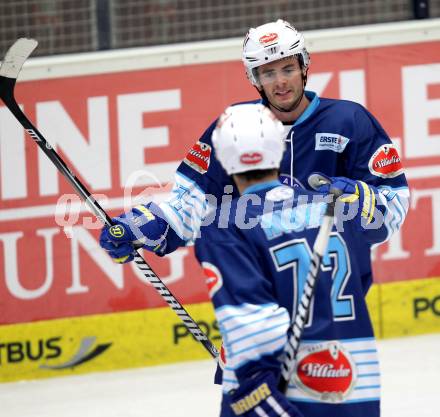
point(410, 386)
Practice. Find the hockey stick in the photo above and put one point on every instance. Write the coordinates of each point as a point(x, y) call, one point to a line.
point(319, 249)
point(9, 70)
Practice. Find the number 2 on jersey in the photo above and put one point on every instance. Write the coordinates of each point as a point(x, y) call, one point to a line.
point(296, 254)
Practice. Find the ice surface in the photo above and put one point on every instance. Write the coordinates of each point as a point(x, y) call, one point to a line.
point(410, 386)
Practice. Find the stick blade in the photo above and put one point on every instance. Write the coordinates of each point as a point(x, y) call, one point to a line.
point(16, 56)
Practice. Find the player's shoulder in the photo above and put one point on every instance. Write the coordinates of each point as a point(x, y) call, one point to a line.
point(218, 224)
point(355, 120)
point(343, 107)
point(241, 221)
point(232, 219)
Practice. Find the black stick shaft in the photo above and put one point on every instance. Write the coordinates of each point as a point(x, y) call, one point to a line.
point(7, 95)
point(298, 324)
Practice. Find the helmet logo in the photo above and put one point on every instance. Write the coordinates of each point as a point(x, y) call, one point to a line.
point(251, 158)
point(268, 38)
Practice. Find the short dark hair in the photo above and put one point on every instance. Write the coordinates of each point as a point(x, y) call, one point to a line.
point(257, 174)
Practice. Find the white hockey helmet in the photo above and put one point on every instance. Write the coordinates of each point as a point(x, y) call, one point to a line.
point(271, 42)
point(248, 137)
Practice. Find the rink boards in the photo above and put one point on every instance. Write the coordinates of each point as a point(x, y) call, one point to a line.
point(156, 336)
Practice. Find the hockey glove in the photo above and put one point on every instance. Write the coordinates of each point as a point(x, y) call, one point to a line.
point(143, 226)
point(259, 396)
point(358, 194)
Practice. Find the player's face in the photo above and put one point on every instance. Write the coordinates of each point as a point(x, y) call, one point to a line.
point(282, 81)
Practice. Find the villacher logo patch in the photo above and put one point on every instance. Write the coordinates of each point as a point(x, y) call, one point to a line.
point(385, 162)
point(326, 371)
point(213, 278)
point(199, 157)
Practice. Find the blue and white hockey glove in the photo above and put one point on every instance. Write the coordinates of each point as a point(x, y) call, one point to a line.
point(143, 226)
point(259, 396)
point(359, 195)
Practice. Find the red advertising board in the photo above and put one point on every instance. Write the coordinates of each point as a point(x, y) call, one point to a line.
point(109, 126)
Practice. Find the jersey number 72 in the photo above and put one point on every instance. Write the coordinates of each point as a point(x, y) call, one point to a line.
point(296, 254)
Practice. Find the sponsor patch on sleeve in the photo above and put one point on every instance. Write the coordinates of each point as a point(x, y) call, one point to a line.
point(330, 142)
point(385, 162)
point(198, 157)
point(213, 278)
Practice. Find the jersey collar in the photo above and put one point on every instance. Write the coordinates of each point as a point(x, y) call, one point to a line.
point(262, 186)
point(314, 103)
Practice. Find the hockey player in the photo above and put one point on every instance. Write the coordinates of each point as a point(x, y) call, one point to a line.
point(337, 137)
point(255, 265)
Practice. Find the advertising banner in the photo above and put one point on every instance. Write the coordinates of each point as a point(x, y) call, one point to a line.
point(54, 348)
point(125, 133)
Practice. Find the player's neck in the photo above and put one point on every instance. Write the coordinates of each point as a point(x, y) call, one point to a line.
point(243, 183)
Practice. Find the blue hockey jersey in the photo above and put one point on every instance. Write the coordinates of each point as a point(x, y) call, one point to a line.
point(255, 256)
point(335, 137)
